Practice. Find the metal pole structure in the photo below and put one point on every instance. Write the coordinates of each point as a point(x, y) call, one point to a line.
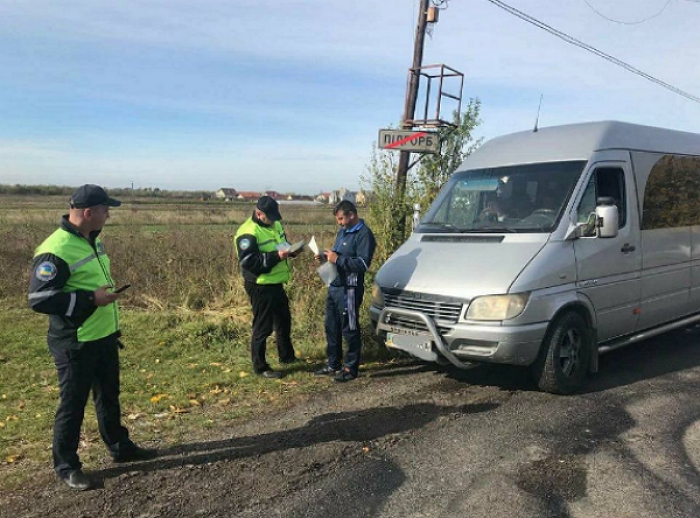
point(410, 107)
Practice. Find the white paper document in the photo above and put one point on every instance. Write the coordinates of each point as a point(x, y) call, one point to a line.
point(313, 246)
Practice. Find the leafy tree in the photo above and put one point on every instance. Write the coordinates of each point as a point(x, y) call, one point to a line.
point(423, 183)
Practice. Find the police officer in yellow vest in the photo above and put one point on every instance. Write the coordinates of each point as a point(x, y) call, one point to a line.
point(265, 269)
point(71, 282)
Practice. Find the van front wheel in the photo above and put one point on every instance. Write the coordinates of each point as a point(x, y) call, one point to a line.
point(565, 355)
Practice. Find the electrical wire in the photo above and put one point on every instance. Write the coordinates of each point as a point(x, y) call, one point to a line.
point(622, 22)
point(591, 49)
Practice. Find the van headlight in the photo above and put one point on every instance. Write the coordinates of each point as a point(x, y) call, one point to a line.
point(377, 296)
point(497, 307)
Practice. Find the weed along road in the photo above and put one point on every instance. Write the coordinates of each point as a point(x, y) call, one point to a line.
point(414, 440)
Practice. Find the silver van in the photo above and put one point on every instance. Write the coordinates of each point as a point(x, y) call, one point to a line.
point(548, 248)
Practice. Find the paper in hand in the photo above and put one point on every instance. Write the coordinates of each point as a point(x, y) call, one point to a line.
point(313, 246)
point(296, 246)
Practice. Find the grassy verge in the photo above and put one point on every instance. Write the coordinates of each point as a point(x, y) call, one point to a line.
point(183, 372)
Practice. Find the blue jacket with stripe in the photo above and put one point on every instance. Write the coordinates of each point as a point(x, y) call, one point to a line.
point(355, 248)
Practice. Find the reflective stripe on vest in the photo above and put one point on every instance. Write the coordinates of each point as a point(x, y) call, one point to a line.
point(267, 239)
point(88, 272)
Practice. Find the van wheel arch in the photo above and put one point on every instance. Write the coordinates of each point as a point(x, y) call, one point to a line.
point(567, 352)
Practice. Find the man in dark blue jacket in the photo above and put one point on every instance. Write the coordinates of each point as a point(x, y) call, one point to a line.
point(352, 254)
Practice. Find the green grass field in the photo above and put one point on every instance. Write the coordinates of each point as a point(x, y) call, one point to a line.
point(186, 323)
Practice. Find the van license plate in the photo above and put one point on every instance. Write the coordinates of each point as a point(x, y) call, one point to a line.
point(417, 345)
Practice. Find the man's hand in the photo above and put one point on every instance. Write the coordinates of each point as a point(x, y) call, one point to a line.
point(283, 254)
point(331, 256)
point(104, 297)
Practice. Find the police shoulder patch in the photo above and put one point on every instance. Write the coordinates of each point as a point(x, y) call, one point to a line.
point(45, 271)
point(244, 243)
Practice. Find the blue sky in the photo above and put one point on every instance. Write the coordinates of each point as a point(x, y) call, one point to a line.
point(289, 95)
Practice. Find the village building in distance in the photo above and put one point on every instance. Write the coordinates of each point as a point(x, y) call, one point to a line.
point(358, 197)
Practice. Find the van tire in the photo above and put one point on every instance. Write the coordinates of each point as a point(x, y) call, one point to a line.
point(565, 355)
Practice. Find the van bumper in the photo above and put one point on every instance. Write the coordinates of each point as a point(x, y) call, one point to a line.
point(463, 344)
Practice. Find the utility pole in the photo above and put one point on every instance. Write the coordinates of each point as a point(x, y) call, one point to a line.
point(410, 106)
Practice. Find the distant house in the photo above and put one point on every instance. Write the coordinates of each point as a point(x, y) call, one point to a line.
point(226, 194)
point(248, 195)
point(362, 197)
point(274, 195)
point(323, 197)
point(340, 195)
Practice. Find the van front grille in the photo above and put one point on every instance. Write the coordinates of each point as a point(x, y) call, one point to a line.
point(441, 309)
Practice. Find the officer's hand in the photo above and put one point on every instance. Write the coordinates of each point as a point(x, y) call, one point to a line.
point(104, 297)
point(283, 254)
point(331, 256)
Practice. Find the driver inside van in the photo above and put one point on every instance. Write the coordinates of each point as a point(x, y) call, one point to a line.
point(496, 210)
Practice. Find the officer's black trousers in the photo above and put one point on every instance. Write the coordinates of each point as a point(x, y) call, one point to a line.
point(270, 313)
point(94, 366)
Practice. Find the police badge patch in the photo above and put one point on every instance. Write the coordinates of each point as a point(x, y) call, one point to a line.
point(45, 271)
point(244, 244)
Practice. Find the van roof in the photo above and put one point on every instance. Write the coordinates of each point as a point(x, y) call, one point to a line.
point(578, 142)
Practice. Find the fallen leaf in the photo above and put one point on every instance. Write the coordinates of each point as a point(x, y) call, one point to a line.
point(223, 401)
point(134, 417)
point(242, 374)
point(216, 364)
point(194, 402)
point(158, 397)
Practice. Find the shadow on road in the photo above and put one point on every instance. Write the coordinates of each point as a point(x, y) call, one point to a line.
point(360, 426)
point(672, 352)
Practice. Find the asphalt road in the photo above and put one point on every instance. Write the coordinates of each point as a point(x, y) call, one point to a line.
point(421, 441)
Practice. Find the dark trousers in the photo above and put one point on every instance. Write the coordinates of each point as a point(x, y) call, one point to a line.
point(343, 321)
point(94, 366)
point(270, 313)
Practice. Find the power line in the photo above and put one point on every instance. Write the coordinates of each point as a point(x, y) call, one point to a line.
point(593, 50)
point(596, 11)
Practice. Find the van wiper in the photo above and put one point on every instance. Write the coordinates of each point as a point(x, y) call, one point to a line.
point(496, 229)
point(438, 224)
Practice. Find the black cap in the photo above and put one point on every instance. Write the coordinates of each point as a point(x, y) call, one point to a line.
point(89, 195)
point(270, 207)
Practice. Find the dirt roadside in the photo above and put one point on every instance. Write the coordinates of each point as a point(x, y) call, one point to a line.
point(248, 468)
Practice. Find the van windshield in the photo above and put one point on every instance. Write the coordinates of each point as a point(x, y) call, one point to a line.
point(521, 198)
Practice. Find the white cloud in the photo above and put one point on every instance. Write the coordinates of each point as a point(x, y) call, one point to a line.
point(177, 93)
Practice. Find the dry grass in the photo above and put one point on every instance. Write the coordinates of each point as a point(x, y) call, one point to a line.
point(186, 321)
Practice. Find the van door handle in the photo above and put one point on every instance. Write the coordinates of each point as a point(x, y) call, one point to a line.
point(627, 248)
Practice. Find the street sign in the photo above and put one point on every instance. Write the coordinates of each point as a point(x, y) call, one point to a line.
point(415, 141)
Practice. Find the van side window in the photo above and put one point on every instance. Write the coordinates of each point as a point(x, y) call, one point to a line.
point(604, 182)
point(672, 193)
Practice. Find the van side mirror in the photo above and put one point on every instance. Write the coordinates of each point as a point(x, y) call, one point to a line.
point(584, 229)
point(608, 217)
